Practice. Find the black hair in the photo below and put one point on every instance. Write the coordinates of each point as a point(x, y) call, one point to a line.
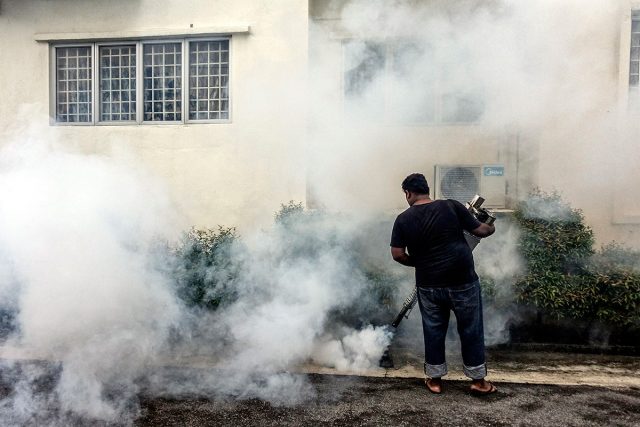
point(416, 183)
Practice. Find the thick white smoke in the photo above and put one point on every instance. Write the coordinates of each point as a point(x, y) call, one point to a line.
point(84, 272)
point(294, 278)
point(77, 234)
point(413, 84)
point(498, 259)
point(357, 352)
point(419, 83)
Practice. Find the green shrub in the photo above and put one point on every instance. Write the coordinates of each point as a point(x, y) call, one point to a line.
point(489, 288)
point(289, 212)
point(381, 285)
point(206, 269)
point(554, 236)
point(565, 277)
point(310, 234)
point(617, 280)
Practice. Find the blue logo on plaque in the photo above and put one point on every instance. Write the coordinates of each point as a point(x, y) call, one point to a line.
point(493, 171)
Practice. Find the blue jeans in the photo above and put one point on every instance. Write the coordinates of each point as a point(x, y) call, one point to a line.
point(436, 305)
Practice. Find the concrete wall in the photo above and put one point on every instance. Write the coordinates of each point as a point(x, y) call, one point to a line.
point(377, 152)
point(236, 173)
point(557, 116)
point(562, 120)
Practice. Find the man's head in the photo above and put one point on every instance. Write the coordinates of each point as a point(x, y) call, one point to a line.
point(415, 187)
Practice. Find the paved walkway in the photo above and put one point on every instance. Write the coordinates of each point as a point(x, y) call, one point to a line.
point(523, 368)
point(503, 366)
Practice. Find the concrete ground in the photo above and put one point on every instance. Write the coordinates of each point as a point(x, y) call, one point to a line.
point(376, 401)
point(535, 389)
point(529, 367)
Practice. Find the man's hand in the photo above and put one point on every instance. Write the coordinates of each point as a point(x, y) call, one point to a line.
point(484, 230)
point(400, 255)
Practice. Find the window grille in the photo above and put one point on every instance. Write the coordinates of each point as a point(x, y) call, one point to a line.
point(634, 65)
point(365, 63)
point(118, 83)
point(378, 77)
point(163, 82)
point(209, 80)
point(175, 81)
point(73, 67)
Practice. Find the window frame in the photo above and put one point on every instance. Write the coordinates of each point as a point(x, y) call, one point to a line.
point(437, 101)
point(632, 92)
point(95, 46)
point(96, 79)
point(140, 83)
point(185, 70)
point(53, 84)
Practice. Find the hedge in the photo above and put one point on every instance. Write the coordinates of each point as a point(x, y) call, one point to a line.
point(565, 276)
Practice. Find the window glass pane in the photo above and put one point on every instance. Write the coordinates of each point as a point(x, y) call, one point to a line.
point(364, 72)
point(117, 83)
point(412, 84)
point(209, 80)
point(461, 108)
point(462, 99)
point(635, 51)
point(162, 82)
point(634, 63)
point(364, 63)
point(73, 84)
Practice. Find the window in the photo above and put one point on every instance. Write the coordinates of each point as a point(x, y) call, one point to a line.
point(73, 85)
point(405, 82)
point(209, 80)
point(634, 61)
point(118, 83)
point(365, 62)
point(162, 82)
point(142, 82)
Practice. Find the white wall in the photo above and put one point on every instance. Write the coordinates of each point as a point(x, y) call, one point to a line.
point(234, 174)
point(561, 123)
point(556, 79)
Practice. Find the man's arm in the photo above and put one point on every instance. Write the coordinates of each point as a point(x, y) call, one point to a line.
point(484, 230)
point(400, 255)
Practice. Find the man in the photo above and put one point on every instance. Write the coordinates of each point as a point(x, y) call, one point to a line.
point(432, 233)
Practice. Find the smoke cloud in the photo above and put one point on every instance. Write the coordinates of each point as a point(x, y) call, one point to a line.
point(76, 234)
point(90, 286)
point(423, 83)
point(294, 278)
point(84, 275)
point(416, 84)
point(498, 260)
point(357, 352)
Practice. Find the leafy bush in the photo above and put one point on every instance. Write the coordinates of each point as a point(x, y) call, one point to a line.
point(207, 273)
point(381, 285)
point(565, 277)
point(206, 270)
point(334, 232)
point(289, 212)
point(614, 270)
point(489, 288)
point(554, 236)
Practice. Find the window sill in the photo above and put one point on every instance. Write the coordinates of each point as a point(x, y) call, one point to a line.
point(143, 34)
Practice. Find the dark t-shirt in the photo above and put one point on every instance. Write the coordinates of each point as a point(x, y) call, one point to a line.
point(433, 236)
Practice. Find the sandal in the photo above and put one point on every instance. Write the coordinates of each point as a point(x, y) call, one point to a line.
point(432, 383)
point(478, 392)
